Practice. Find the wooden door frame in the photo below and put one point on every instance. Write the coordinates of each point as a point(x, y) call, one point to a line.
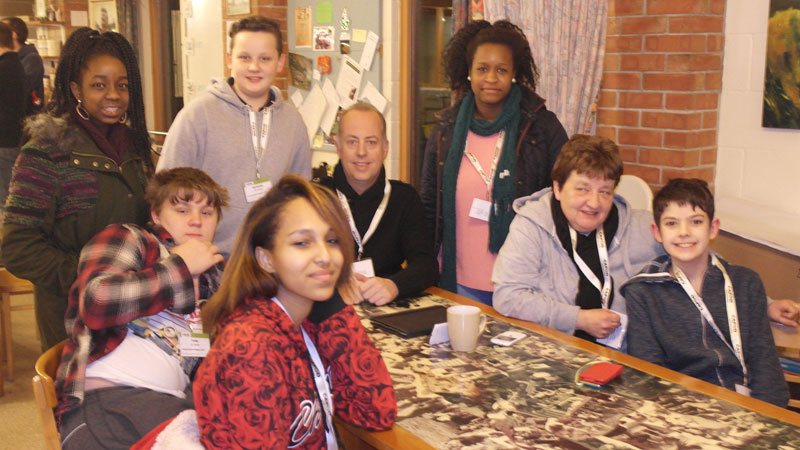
point(407, 132)
point(159, 90)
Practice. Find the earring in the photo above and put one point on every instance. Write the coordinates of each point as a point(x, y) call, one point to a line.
point(82, 112)
point(469, 78)
point(124, 117)
point(513, 80)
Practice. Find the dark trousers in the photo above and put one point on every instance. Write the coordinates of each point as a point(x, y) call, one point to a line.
point(117, 417)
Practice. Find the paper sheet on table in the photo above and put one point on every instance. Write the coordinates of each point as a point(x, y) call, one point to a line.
point(439, 334)
point(374, 97)
point(359, 35)
point(349, 81)
point(311, 110)
point(329, 117)
point(297, 98)
point(316, 75)
point(369, 50)
point(615, 339)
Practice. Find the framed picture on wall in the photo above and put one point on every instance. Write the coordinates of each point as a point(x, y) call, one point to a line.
point(237, 7)
point(103, 15)
point(782, 78)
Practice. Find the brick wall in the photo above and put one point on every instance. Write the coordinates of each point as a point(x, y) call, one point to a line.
point(272, 9)
point(662, 78)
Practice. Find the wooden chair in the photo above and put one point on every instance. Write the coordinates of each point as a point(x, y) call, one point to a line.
point(9, 285)
point(44, 391)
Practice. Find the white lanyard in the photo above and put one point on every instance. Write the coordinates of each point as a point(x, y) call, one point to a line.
point(321, 382)
point(477, 165)
point(730, 306)
point(259, 145)
point(376, 218)
point(602, 252)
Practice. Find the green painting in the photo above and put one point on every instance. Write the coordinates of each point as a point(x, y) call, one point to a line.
point(782, 79)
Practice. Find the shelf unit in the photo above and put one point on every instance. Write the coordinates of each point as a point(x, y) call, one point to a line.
point(48, 37)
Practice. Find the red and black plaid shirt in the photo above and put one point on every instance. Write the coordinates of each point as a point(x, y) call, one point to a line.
point(124, 272)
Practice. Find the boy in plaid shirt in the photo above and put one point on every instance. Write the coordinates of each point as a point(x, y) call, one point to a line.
point(133, 315)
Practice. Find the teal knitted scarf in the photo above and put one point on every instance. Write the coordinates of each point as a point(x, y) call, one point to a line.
point(502, 189)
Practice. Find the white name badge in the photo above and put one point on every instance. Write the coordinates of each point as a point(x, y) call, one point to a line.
point(614, 340)
point(744, 390)
point(194, 345)
point(254, 190)
point(364, 267)
point(480, 209)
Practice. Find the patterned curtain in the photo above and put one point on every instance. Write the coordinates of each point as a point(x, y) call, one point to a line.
point(126, 16)
point(567, 39)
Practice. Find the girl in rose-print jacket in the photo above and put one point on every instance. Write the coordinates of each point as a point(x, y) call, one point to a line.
point(278, 320)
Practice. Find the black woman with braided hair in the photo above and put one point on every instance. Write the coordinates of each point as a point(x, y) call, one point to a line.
point(496, 144)
point(84, 166)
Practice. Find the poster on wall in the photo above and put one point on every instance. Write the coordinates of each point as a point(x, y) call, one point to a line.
point(782, 77)
point(237, 7)
point(300, 69)
point(323, 39)
point(103, 16)
point(302, 26)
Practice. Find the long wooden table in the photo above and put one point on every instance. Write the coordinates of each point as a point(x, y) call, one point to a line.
point(525, 395)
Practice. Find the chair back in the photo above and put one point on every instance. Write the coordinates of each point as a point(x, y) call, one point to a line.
point(44, 390)
point(636, 192)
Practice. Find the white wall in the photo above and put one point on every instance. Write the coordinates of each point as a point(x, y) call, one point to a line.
point(757, 180)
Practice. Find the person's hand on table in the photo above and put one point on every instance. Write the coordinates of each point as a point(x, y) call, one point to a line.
point(600, 323)
point(376, 290)
point(784, 311)
point(349, 292)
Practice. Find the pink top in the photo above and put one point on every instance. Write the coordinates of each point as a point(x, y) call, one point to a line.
point(474, 262)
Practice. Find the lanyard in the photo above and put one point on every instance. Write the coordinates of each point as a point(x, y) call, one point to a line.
point(602, 252)
point(322, 385)
point(477, 165)
point(376, 218)
point(730, 306)
point(259, 145)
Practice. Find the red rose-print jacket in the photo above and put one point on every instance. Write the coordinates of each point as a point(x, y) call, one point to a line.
point(256, 389)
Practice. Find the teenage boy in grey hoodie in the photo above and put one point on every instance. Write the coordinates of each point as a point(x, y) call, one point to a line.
point(240, 131)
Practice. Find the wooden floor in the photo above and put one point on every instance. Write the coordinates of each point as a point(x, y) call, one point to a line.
point(19, 422)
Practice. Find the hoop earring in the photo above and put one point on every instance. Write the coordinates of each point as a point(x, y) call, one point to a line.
point(81, 110)
point(124, 117)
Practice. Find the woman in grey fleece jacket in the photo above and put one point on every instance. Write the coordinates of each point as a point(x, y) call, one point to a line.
point(535, 279)
point(212, 133)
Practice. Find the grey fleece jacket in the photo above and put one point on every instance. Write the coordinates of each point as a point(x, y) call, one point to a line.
point(665, 328)
point(212, 133)
point(534, 277)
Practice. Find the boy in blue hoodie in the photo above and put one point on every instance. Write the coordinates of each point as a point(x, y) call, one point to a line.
point(692, 312)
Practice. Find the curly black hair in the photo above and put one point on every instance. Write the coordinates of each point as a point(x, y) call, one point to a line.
point(457, 55)
point(83, 45)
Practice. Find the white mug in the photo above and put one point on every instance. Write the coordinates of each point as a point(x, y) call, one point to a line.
point(465, 324)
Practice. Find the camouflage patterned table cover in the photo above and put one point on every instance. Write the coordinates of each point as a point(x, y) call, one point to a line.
point(525, 396)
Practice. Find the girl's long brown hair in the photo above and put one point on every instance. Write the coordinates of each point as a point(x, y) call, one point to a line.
point(243, 277)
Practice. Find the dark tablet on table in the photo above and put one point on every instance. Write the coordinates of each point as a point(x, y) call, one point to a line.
point(413, 322)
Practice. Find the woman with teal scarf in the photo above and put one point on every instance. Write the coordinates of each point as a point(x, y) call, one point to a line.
point(496, 144)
